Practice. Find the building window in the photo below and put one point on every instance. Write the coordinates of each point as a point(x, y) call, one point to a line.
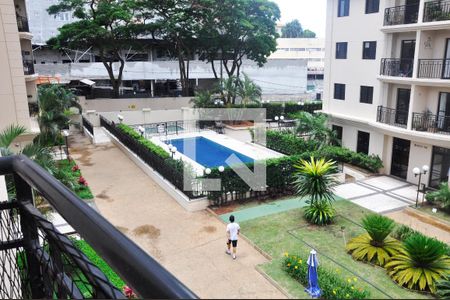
point(363, 142)
point(372, 6)
point(339, 91)
point(369, 50)
point(366, 95)
point(341, 50)
point(338, 131)
point(343, 8)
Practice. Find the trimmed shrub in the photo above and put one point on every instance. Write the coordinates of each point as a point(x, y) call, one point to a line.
point(320, 213)
point(333, 286)
point(150, 146)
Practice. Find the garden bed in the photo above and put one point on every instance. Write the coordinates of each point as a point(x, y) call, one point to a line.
point(76, 181)
point(289, 232)
point(440, 214)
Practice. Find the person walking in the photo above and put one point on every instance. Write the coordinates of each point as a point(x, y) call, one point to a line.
point(233, 231)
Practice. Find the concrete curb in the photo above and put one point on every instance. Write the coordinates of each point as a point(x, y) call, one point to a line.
point(429, 219)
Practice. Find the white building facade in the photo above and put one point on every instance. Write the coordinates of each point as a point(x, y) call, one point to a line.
point(387, 82)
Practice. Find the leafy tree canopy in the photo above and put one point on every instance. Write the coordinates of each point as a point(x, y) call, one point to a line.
point(294, 30)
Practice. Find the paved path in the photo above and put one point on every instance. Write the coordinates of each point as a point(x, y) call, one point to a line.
point(380, 194)
point(190, 245)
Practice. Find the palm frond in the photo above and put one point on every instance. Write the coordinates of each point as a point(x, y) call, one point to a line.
point(9, 134)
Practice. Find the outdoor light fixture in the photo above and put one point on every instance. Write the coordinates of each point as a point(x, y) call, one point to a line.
point(66, 134)
point(120, 118)
point(221, 169)
point(170, 147)
point(173, 150)
point(282, 118)
point(419, 172)
point(141, 130)
point(277, 118)
point(207, 171)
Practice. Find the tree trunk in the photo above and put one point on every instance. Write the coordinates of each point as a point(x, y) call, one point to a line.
point(109, 68)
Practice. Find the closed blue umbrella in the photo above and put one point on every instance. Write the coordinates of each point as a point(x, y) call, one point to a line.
point(313, 281)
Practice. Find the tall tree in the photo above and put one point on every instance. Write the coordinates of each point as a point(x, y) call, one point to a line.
point(234, 30)
point(108, 27)
point(292, 30)
point(308, 34)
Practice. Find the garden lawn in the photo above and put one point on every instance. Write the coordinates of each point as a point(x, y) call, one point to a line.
point(440, 214)
point(289, 232)
point(82, 191)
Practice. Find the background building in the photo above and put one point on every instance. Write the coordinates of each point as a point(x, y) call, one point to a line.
point(387, 82)
point(17, 79)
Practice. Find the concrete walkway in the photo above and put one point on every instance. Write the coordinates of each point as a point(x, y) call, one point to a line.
point(190, 245)
point(380, 194)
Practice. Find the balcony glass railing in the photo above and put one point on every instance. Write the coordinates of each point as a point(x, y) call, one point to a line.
point(403, 14)
point(22, 24)
point(436, 11)
point(431, 123)
point(393, 117)
point(397, 67)
point(434, 68)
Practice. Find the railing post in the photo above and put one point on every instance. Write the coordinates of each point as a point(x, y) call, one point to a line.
point(31, 238)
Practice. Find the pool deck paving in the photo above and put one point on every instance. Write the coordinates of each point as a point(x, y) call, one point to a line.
point(190, 245)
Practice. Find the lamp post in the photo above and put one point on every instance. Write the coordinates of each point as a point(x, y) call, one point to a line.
point(173, 150)
point(277, 118)
point(66, 133)
point(120, 118)
point(141, 130)
point(221, 170)
point(419, 172)
point(207, 171)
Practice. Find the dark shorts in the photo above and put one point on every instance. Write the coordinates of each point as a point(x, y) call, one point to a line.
point(232, 242)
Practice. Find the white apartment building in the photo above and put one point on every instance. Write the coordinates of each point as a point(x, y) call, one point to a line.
point(387, 82)
point(310, 49)
point(17, 79)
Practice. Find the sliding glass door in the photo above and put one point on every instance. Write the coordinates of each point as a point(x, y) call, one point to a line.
point(440, 166)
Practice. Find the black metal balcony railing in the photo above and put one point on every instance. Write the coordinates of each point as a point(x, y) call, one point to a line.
point(434, 68)
point(88, 125)
point(392, 116)
point(37, 261)
point(28, 67)
point(436, 11)
point(22, 24)
point(404, 14)
point(397, 67)
point(431, 123)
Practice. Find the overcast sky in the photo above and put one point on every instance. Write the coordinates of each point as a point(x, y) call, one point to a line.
point(310, 13)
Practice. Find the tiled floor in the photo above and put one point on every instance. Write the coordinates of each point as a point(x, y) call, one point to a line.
point(379, 194)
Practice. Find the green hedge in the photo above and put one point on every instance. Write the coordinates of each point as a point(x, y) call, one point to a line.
point(332, 284)
point(142, 140)
point(112, 276)
point(290, 144)
point(71, 178)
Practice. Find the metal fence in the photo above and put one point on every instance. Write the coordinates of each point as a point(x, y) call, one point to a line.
point(436, 11)
point(28, 67)
point(434, 68)
point(397, 67)
point(170, 169)
point(37, 261)
point(88, 125)
point(403, 14)
point(392, 116)
point(431, 123)
point(22, 24)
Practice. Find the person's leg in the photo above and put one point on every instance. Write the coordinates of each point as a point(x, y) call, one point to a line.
point(228, 247)
point(234, 249)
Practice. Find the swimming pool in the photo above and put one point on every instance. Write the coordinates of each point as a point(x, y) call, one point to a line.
point(208, 153)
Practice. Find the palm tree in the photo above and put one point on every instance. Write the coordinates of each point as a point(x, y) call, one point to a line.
point(228, 89)
point(316, 128)
point(203, 99)
point(314, 179)
point(249, 92)
point(40, 154)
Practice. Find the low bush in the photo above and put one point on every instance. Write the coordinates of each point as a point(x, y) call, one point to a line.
point(142, 140)
point(112, 276)
point(290, 144)
point(403, 232)
point(320, 213)
point(333, 286)
point(70, 175)
point(440, 197)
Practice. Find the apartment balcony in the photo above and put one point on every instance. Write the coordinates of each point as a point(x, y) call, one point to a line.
point(436, 11)
point(28, 67)
point(38, 262)
point(401, 15)
point(393, 117)
point(396, 67)
point(434, 69)
point(429, 122)
point(22, 24)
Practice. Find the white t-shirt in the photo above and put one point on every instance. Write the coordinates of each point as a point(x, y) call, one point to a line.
point(233, 229)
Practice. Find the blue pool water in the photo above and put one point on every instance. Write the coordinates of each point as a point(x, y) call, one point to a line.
point(208, 153)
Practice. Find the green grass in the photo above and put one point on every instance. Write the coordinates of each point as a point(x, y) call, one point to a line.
point(440, 214)
point(100, 263)
point(289, 232)
point(82, 191)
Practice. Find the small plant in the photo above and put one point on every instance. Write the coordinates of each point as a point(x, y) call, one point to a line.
point(82, 181)
point(320, 213)
point(420, 264)
point(443, 287)
point(333, 285)
point(375, 246)
point(441, 196)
